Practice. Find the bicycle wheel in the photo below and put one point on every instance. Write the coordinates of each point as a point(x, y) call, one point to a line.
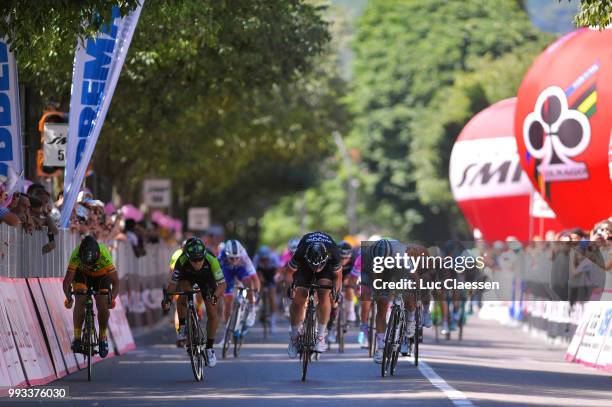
point(194, 347)
point(396, 349)
point(308, 342)
point(88, 344)
point(239, 336)
point(229, 330)
point(264, 313)
point(340, 326)
point(389, 341)
point(372, 330)
point(416, 338)
point(461, 319)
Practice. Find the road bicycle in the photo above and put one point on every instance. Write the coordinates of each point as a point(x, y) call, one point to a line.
point(306, 341)
point(236, 328)
point(393, 336)
point(196, 337)
point(89, 336)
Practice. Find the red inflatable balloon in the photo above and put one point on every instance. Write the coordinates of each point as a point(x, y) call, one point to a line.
point(488, 182)
point(563, 126)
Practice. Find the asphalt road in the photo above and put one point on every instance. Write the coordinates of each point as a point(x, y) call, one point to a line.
point(493, 366)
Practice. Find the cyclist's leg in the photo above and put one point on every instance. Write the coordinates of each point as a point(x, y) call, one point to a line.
point(365, 301)
point(181, 305)
point(349, 296)
point(79, 285)
point(102, 285)
point(228, 295)
point(297, 308)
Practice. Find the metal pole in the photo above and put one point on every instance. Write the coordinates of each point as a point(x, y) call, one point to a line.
point(351, 187)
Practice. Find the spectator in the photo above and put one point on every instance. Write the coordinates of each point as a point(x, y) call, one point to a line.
point(137, 243)
point(8, 217)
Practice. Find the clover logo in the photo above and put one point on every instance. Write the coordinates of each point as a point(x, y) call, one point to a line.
point(554, 133)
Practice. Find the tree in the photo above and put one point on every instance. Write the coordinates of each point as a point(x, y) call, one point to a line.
point(594, 13)
point(404, 68)
point(209, 91)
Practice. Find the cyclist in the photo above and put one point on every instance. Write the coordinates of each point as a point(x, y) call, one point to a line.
point(235, 263)
point(316, 256)
point(284, 260)
point(91, 265)
point(267, 265)
point(196, 265)
point(348, 255)
point(384, 248)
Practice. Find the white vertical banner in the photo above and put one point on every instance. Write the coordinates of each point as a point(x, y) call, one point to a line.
point(11, 161)
point(96, 71)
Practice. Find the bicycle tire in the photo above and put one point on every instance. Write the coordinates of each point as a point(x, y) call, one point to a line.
point(461, 320)
point(396, 350)
point(264, 313)
point(417, 335)
point(372, 330)
point(389, 342)
point(308, 339)
point(229, 330)
point(238, 339)
point(340, 326)
point(89, 344)
point(194, 346)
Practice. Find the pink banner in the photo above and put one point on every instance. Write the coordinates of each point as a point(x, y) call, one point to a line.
point(120, 329)
point(10, 357)
point(54, 341)
point(62, 320)
point(26, 331)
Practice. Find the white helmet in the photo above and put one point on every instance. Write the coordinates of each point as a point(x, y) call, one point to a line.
point(233, 249)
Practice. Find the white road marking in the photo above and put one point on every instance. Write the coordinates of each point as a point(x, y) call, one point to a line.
point(458, 398)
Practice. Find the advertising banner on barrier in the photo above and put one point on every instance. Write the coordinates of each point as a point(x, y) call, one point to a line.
point(23, 321)
point(62, 320)
point(97, 66)
point(10, 122)
point(8, 348)
point(120, 329)
point(592, 342)
point(54, 341)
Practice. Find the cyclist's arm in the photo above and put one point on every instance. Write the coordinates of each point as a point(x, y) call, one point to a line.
point(217, 274)
point(114, 279)
point(73, 265)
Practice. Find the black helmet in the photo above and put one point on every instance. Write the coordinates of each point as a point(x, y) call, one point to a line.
point(316, 254)
point(89, 251)
point(194, 249)
point(382, 248)
point(345, 249)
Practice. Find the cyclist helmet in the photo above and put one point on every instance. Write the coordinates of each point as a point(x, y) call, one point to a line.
point(345, 249)
point(293, 244)
point(382, 248)
point(89, 251)
point(316, 255)
point(195, 249)
point(264, 252)
point(233, 249)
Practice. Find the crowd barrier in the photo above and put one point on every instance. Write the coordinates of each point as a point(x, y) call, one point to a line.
point(36, 328)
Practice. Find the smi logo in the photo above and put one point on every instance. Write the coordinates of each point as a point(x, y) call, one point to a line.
point(554, 134)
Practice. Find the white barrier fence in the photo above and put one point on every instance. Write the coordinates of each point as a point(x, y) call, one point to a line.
point(141, 278)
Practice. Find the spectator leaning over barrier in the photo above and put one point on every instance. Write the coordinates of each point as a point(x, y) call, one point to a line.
point(20, 206)
point(91, 265)
point(9, 217)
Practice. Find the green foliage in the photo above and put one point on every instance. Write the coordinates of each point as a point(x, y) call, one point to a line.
point(594, 13)
point(233, 100)
point(416, 83)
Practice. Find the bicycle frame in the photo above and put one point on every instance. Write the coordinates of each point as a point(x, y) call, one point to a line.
point(196, 339)
point(307, 340)
point(89, 335)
